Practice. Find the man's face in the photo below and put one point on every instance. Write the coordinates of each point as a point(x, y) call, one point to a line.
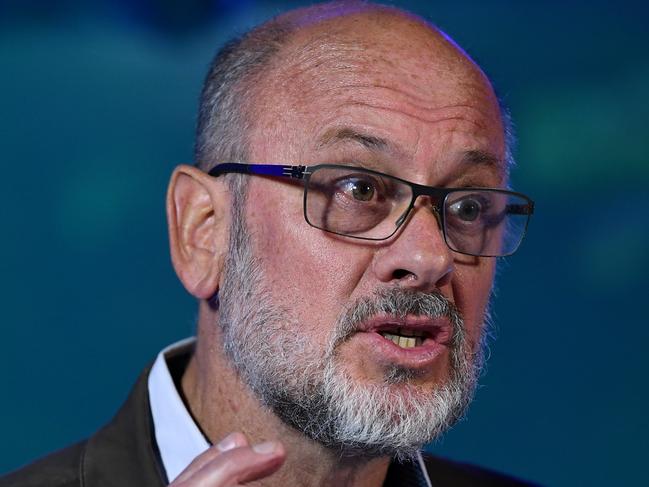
point(305, 312)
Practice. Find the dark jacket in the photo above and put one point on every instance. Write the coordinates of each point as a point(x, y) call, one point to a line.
point(124, 454)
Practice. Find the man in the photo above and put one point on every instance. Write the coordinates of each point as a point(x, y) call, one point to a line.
point(340, 232)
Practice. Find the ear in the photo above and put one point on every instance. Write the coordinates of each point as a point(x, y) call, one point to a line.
point(199, 221)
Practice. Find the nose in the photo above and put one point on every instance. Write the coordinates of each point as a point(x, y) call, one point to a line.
point(417, 256)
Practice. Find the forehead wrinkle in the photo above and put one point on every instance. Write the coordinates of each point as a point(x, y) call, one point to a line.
point(379, 95)
point(443, 114)
point(344, 134)
point(346, 131)
point(333, 75)
point(322, 51)
point(402, 92)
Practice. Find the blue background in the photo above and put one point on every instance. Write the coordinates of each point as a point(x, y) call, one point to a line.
point(97, 105)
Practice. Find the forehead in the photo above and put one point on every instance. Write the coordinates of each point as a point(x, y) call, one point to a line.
point(383, 74)
point(380, 48)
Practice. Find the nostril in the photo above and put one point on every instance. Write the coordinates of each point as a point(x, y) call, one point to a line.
point(400, 274)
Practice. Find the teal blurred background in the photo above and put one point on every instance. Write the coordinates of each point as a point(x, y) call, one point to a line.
point(97, 105)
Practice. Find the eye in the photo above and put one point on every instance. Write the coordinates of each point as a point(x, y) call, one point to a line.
point(362, 190)
point(359, 188)
point(467, 209)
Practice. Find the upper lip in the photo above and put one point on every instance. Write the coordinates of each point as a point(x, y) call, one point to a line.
point(439, 329)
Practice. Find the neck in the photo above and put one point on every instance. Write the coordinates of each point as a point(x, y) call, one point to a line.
point(221, 404)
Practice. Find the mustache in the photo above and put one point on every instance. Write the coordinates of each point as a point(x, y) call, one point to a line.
point(399, 303)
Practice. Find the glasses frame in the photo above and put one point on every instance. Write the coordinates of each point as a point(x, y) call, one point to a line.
point(438, 195)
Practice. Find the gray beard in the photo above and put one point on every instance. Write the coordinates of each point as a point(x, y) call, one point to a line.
point(307, 386)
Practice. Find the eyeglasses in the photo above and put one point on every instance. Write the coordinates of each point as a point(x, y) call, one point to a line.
point(370, 205)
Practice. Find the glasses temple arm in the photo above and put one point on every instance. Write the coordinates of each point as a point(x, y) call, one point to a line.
point(296, 172)
point(527, 209)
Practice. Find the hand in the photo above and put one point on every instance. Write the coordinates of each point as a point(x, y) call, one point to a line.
point(232, 462)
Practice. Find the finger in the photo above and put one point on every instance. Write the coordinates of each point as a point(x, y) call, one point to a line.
point(238, 466)
point(231, 441)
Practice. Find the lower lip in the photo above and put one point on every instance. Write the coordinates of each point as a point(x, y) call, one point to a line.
point(415, 357)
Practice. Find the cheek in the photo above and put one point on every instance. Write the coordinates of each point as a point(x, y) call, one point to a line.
point(306, 269)
point(471, 290)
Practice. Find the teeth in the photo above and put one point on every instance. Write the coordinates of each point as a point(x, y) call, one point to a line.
point(410, 333)
point(404, 341)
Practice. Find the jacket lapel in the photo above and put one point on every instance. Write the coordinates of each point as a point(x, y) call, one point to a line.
point(406, 474)
point(124, 452)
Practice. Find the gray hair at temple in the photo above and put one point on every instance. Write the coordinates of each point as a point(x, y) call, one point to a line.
point(224, 118)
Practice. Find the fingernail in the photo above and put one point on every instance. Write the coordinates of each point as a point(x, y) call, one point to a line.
point(227, 443)
point(265, 448)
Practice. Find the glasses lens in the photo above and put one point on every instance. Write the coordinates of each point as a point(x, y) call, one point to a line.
point(355, 202)
point(485, 223)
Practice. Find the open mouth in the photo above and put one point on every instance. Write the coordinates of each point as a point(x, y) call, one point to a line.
point(404, 337)
point(413, 333)
point(410, 341)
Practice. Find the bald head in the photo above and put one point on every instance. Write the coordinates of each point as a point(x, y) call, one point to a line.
point(364, 26)
point(353, 42)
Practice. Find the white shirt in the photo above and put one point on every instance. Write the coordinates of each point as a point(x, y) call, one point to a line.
point(179, 439)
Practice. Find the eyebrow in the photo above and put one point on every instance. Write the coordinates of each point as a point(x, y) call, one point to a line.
point(474, 157)
point(481, 158)
point(345, 134)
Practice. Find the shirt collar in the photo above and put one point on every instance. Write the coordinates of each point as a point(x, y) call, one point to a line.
point(178, 437)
